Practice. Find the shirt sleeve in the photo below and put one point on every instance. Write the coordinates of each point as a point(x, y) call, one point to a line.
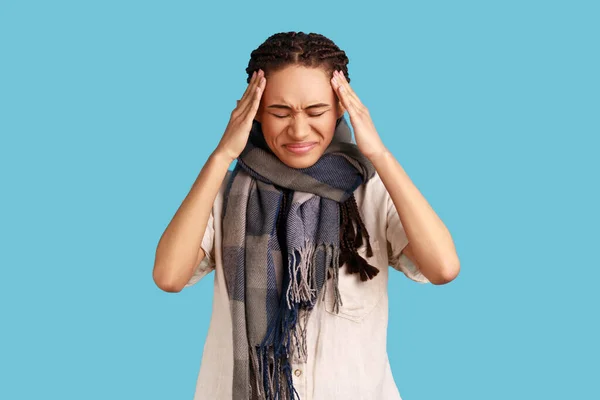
point(396, 242)
point(207, 264)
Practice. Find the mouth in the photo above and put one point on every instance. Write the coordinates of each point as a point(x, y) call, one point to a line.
point(300, 148)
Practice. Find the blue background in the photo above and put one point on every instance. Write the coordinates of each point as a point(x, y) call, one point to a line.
point(109, 109)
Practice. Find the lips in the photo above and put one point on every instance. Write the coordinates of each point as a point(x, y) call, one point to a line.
point(300, 148)
point(300, 145)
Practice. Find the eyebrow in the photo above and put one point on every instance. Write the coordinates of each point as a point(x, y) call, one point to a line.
point(318, 105)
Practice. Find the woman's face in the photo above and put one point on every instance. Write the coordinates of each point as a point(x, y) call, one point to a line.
point(298, 106)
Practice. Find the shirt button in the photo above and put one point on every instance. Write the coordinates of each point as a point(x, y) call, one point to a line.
point(297, 372)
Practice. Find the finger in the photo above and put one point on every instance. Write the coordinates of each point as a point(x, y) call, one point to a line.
point(347, 101)
point(250, 86)
point(335, 83)
point(347, 87)
point(247, 101)
point(354, 103)
point(252, 105)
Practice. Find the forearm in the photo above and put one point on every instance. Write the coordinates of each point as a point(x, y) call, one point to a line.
point(178, 247)
point(430, 240)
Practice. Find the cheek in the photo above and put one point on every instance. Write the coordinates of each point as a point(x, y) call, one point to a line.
point(271, 132)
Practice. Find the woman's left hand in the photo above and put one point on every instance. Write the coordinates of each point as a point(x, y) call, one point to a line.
point(367, 138)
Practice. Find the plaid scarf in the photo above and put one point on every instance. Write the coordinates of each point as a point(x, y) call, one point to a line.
point(283, 229)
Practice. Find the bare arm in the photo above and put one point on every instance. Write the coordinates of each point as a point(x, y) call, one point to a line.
point(430, 246)
point(178, 250)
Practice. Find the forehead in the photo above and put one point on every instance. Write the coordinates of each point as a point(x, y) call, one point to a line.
point(298, 85)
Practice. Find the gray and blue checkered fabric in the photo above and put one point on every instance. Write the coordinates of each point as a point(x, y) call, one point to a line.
point(272, 289)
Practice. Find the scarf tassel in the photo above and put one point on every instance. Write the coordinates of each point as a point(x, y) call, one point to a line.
point(355, 264)
point(273, 379)
point(271, 359)
point(350, 241)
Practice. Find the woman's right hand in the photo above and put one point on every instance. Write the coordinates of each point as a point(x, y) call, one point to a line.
point(238, 129)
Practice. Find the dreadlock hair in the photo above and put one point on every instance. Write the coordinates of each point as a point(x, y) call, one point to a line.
point(297, 48)
point(316, 51)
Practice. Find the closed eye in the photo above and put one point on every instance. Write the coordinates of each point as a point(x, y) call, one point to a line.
point(310, 115)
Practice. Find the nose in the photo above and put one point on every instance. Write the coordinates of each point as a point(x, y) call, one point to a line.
point(299, 128)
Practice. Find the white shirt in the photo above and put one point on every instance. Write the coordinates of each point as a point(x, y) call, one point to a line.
point(347, 352)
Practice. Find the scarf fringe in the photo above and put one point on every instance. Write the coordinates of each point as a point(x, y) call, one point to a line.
point(332, 261)
point(303, 285)
point(286, 336)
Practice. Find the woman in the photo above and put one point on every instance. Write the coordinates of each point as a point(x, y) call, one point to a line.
point(300, 235)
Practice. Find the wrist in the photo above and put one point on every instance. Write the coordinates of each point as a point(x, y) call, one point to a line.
point(222, 156)
point(378, 155)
